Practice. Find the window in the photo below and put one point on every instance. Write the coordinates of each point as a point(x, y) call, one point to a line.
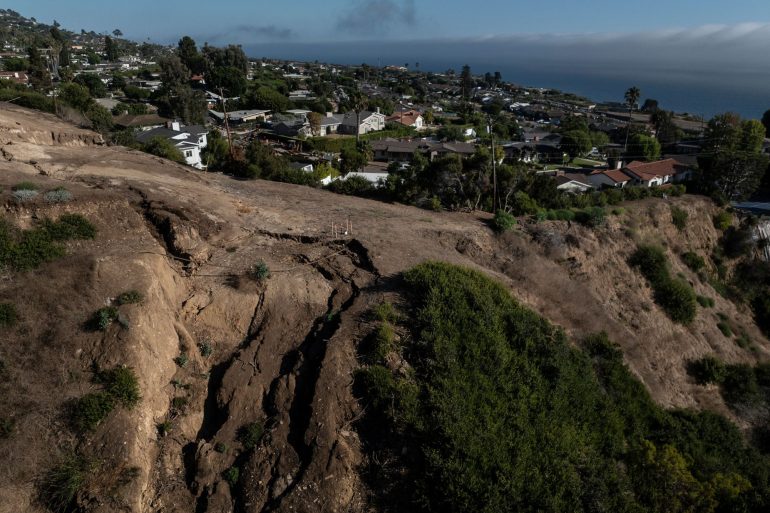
point(188, 153)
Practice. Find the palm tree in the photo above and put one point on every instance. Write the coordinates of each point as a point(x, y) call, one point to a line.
point(632, 98)
point(359, 102)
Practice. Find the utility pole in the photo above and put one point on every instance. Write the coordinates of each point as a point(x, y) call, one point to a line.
point(494, 167)
point(227, 124)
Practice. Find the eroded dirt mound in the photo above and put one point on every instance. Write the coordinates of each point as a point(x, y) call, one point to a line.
point(246, 379)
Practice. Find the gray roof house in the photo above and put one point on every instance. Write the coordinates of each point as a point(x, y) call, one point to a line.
point(368, 122)
point(190, 140)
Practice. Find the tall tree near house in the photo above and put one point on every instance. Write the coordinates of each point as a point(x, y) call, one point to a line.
point(632, 98)
point(498, 79)
point(359, 103)
point(110, 49)
point(732, 160)
point(314, 119)
point(117, 33)
point(466, 80)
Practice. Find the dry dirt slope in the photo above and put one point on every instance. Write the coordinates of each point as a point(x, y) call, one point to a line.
point(283, 352)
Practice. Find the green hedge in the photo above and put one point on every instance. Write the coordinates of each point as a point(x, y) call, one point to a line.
point(674, 295)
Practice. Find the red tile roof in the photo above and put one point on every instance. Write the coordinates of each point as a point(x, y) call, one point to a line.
point(660, 168)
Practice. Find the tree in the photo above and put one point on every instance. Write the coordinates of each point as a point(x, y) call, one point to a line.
point(266, 98)
point(643, 146)
point(117, 33)
point(358, 102)
point(466, 81)
point(352, 160)
point(187, 51)
point(766, 121)
point(650, 106)
point(94, 84)
point(314, 119)
point(576, 143)
point(599, 139)
point(75, 95)
point(110, 49)
point(117, 83)
point(632, 97)
point(498, 79)
point(229, 78)
point(39, 76)
point(163, 148)
point(733, 162)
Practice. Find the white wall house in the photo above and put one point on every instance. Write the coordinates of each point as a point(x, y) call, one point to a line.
point(190, 140)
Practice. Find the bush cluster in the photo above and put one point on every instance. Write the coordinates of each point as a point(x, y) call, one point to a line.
point(60, 485)
point(58, 195)
point(503, 221)
point(27, 249)
point(679, 218)
point(120, 387)
point(674, 295)
point(250, 435)
point(499, 399)
point(723, 220)
point(694, 261)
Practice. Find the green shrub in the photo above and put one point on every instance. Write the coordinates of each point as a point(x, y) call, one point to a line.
point(90, 410)
point(383, 342)
point(221, 447)
point(675, 296)
point(205, 349)
point(58, 195)
point(761, 308)
point(25, 186)
point(122, 385)
point(708, 370)
point(679, 218)
point(694, 261)
point(104, 317)
point(178, 403)
point(678, 300)
point(61, 484)
point(232, 476)
point(744, 341)
point(24, 195)
point(6, 428)
point(8, 315)
point(377, 385)
point(740, 385)
point(130, 297)
point(651, 261)
point(259, 271)
point(250, 435)
point(706, 302)
point(591, 217)
point(723, 220)
point(182, 360)
point(164, 428)
point(384, 312)
point(68, 227)
point(503, 221)
point(725, 328)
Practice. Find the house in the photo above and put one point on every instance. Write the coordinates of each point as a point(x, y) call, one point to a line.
point(651, 174)
point(291, 126)
point(17, 77)
point(410, 118)
point(393, 150)
point(609, 179)
point(303, 166)
point(573, 183)
point(330, 124)
point(239, 117)
point(140, 121)
point(367, 122)
point(190, 140)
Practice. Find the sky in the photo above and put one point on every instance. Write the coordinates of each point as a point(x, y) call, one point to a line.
point(262, 21)
point(700, 56)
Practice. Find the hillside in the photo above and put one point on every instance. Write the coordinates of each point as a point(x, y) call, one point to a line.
point(218, 347)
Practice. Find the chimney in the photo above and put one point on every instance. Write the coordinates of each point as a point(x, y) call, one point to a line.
point(378, 110)
point(619, 164)
point(174, 125)
point(329, 114)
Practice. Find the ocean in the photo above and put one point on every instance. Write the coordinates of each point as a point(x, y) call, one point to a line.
point(681, 83)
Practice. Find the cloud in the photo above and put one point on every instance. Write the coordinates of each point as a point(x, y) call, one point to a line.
point(251, 33)
point(374, 17)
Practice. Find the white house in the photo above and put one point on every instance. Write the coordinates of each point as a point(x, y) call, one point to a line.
point(368, 122)
point(609, 178)
point(573, 183)
point(657, 173)
point(190, 140)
